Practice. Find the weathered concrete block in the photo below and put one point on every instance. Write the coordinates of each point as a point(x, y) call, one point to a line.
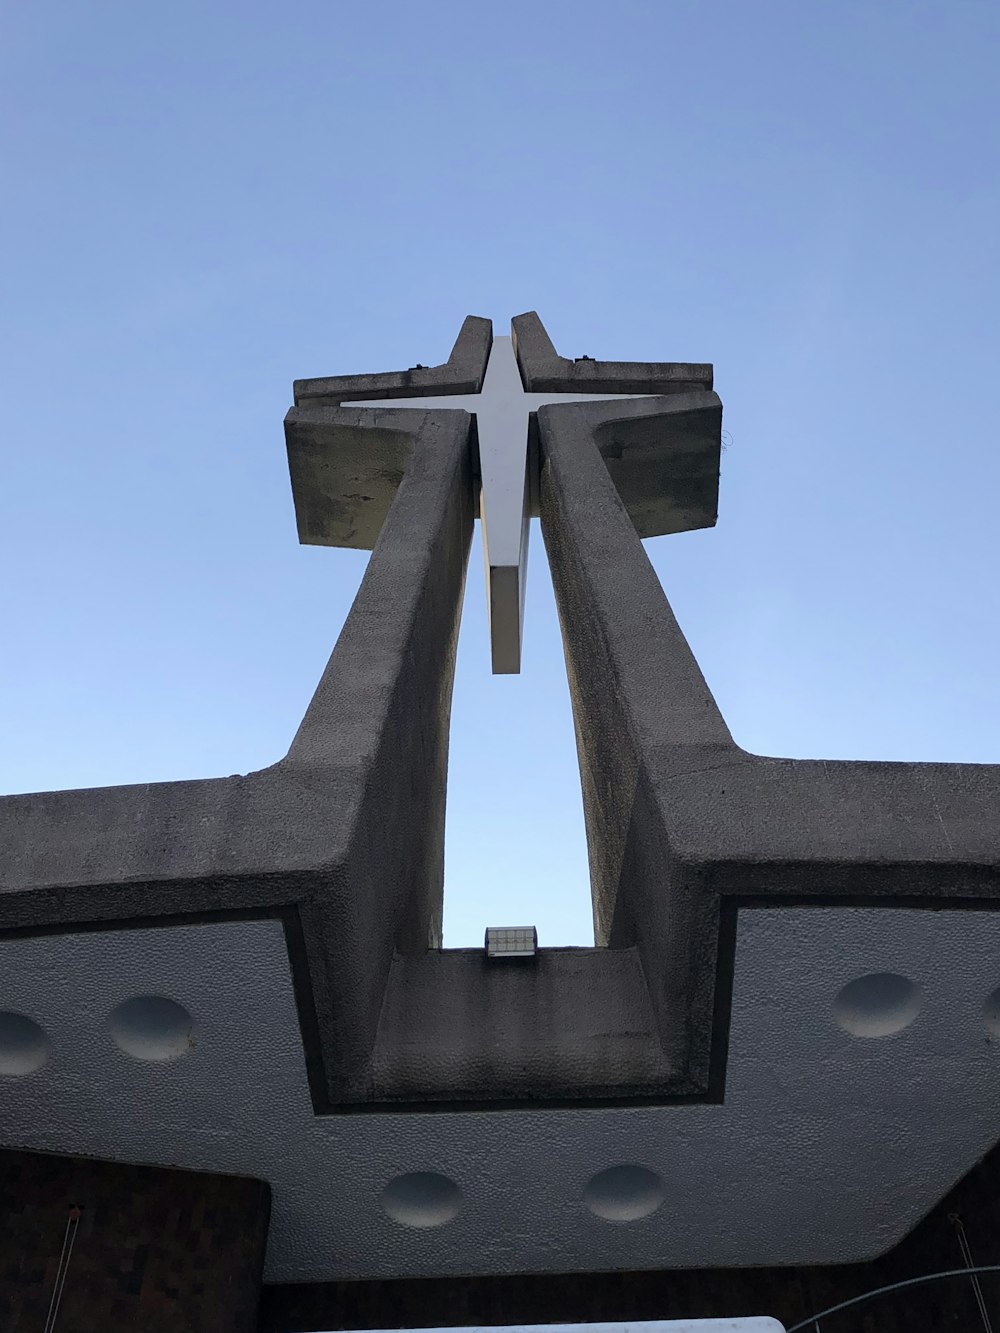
point(462, 373)
point(545, 371)
point(662, 454)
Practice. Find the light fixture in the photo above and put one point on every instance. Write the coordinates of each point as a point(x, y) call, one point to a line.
point(511, 941)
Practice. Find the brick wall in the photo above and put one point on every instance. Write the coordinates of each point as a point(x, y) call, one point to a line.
point(162, 1251)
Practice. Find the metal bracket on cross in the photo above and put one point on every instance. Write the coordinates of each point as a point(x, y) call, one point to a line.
point(504, 382)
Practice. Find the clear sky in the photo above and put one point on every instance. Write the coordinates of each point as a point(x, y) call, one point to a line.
point(204, 201)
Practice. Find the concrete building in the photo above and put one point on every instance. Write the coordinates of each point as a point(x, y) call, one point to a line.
point(241, 1083)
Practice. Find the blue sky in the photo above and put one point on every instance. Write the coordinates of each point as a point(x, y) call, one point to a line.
point(206, 201)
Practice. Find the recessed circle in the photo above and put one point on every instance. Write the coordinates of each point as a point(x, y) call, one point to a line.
point(152, 1027)
point(877, 1005)
point(24, 1047)
point(422, 1199)
point(624, 1193)
point(991, 1013)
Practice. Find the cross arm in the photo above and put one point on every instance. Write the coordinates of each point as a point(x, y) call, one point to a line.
point(463, 372)
point(158, 849)
point(543, 370)
point(684, 826)
point(343, 838)
point(781, 828)
point(346, 465)
point(662, 454)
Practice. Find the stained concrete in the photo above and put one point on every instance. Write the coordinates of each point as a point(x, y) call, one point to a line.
point(462, 373)
point(346, 469)
point(346, 465)
point(345, 834)
point(565, 1025)
point(663, 454)
point(543, 370)
point(681, 822)
point(825, 1148)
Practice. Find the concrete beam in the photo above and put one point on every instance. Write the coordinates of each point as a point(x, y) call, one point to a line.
point(463, 372)
point(543, 370)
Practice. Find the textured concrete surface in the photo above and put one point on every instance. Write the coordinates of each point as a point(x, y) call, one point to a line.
point(345, 834)
point(345, 471)
point(682, 824)
point(344, 837)
point(816, 1155)
point(549, 1028)
point(345, 465)
point(543, 370)
point(663, 456)
point(462, 373)
point(340, 846)
point(794, 1294)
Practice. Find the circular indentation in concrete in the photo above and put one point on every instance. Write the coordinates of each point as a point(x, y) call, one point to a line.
point(24, 1047)
point(422, 1199)
point(877, 1005)
point(152, 1027)
point(991, 1013)
point(624, 1193)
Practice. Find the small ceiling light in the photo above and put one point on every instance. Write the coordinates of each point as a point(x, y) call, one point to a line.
point(511, 941)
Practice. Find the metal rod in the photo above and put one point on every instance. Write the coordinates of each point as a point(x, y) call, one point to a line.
point(894, 1286)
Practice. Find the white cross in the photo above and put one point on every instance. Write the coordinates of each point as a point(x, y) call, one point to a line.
point(501, 410)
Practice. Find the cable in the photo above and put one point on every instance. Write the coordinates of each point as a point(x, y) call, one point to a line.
point(894, 1286)
point(69, 1238)
point(963, 1243)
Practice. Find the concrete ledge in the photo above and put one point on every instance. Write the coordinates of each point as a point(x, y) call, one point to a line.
point(345, 470)
point(565, 1025)
point(463, 372)
point(543, 370)
point(662, 454)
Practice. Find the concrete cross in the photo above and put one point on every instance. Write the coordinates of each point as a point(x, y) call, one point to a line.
point(503, 408)
point(749, 912)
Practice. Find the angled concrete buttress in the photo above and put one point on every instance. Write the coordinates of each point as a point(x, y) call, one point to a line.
point(683, 826)
point(343, 838)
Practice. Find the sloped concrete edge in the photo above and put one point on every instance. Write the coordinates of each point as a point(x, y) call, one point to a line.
point(463, 372)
